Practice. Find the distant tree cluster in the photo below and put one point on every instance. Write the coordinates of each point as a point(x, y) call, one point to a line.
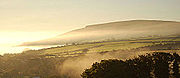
point(159, 46)
point(166, 46)
point(155, 65)
point(28, 65)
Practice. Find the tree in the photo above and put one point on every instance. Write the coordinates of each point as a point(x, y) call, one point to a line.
point(109, 69)
point(144, 66)
point(176, 65)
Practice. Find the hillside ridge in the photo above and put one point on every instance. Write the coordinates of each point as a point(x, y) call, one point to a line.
point(118, 30)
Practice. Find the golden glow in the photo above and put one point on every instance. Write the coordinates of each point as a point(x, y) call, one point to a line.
point(10, 40)
point(65, 15)
point(16, 37)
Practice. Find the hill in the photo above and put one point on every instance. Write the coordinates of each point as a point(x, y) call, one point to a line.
point(123, 30)
point(69, 61)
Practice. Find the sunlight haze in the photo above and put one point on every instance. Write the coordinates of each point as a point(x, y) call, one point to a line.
point(32, 20)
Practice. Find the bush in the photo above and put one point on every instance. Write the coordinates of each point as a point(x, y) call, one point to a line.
point(145, 66)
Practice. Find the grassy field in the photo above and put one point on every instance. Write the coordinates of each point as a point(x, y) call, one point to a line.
point(96, 47)
point(77, 57)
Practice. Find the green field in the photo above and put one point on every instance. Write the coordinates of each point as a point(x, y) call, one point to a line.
point(96, 47)
point(77, 57)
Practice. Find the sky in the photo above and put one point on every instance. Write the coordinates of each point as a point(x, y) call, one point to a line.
point(31, 20)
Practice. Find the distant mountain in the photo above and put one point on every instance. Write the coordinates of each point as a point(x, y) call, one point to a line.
point(134, 29)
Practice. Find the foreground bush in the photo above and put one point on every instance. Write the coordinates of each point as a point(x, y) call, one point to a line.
point(155, 65)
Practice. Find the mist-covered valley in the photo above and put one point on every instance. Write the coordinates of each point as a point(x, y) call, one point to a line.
point(78, 50)
point(123, 30)
point(89, 39)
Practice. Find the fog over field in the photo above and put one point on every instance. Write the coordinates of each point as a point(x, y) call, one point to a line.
point(134, 29)
point(40, 21)
point(89, 39)
point(74, 67)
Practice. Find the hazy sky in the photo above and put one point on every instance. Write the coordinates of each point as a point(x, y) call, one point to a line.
point(64, 15)
point(31, 20)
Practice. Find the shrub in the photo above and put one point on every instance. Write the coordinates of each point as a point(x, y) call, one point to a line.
point(145, 66)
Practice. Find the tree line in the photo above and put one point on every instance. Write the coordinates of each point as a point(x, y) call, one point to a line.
point(155, 65)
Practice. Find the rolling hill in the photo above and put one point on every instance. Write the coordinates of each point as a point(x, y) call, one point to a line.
point(123, 30)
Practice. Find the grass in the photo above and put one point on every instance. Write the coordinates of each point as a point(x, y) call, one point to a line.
point(119, 46)
point(67, 48)
point(73, 50)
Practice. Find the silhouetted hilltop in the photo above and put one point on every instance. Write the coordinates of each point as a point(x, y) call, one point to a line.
point(123, 30)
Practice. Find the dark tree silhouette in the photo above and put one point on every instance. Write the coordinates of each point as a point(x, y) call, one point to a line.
point(161, 64)
point(145, 66)
point(108, 69)
point(176, 64)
